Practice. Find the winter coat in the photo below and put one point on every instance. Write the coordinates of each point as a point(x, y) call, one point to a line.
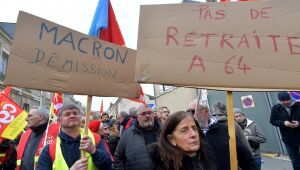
point(255, 137)
point(279, 115)
point(218, 138)
point(131, 152)
point(71, 153)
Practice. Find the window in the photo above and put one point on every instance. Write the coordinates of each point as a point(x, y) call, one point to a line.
point(3, 62)
point(163, 88)
point(26, 107)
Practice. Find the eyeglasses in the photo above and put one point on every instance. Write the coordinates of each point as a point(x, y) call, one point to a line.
point(146, 113)
point(192, 111)
point(166, 111)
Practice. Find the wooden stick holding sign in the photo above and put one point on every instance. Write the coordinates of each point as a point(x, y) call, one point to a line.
point(231, 131)
point(87, 120)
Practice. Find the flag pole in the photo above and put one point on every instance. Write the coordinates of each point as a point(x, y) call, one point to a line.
point(87, 119)
point(46, 135)
point(231, 131)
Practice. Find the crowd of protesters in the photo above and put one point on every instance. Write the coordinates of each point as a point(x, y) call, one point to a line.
point(145, 138)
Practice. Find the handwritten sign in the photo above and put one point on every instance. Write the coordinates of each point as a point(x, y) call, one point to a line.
point(51, 57)
point(237, 46)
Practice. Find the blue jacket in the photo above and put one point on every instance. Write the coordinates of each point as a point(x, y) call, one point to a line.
point(71, 153)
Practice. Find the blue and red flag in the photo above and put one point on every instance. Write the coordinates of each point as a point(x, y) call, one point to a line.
point(295, 95)
point(105, 25)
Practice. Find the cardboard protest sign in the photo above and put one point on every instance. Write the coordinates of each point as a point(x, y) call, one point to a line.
point(51, 57)
point(232, 46)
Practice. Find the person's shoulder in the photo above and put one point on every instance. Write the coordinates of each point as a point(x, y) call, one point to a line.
point(276, 106)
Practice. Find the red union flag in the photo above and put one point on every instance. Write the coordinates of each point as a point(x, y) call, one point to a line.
point(12, 118)
point(56, 104)
point(6, 91)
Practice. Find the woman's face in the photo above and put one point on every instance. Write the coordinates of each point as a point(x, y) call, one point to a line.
point(186, 136)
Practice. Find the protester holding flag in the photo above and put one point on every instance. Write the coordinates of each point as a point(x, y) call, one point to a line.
point(64, 152)
point(31, 142)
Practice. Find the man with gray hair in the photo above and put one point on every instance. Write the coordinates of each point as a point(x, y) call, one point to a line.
point(125, 121)
point(32, 141)
point(133, 112)
point(131, 152)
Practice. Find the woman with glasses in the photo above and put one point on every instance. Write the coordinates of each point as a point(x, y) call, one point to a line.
point(181, 145)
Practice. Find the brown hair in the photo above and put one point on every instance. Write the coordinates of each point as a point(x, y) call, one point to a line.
point(172, 156)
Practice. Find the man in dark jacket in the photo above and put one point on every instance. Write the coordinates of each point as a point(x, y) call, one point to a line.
point(64, 152)
point(31, 143)
point(131, 153)
point(286, 116)
point(218, 138)
point(126, 121)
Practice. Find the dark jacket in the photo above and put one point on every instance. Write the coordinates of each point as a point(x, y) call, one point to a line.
point(125, 122)
point(71, 153)
point(32, 145)
point(279, 115)
point(10, 155)
point(218, 138)
point(188, 163)
point(131, 151)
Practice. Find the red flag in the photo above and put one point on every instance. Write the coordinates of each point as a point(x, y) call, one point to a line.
point(112, 33)
point(105, 22)
point(101, 107)
point(6, 91)
point(56, 104)
point(141, 99)
point(13, 117)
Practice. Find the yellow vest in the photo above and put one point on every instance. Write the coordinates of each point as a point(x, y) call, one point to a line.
point(60, 163)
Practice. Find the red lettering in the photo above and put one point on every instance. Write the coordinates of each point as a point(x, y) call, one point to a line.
point(244, 40)
point(171, 32)
point(243, 67)
point(257, 40)
point(189, 42)
point(220, 13)
point(254, 13)
point(264, 12)
point(228, 69)
point(225, 40)
point(201, 10)
point(274, 41)
point(292, 45)
point(207, 14)
point(197, 61)
point(207, 38)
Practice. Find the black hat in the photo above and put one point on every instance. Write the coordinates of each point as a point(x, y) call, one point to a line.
point(283, 96)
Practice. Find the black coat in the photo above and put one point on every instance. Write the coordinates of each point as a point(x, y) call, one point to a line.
point(279, 114)
point(188, 163)
point(131, 152)
point(218, 138)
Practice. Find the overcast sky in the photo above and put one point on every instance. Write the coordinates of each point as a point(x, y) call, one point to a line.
point(78, 15)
